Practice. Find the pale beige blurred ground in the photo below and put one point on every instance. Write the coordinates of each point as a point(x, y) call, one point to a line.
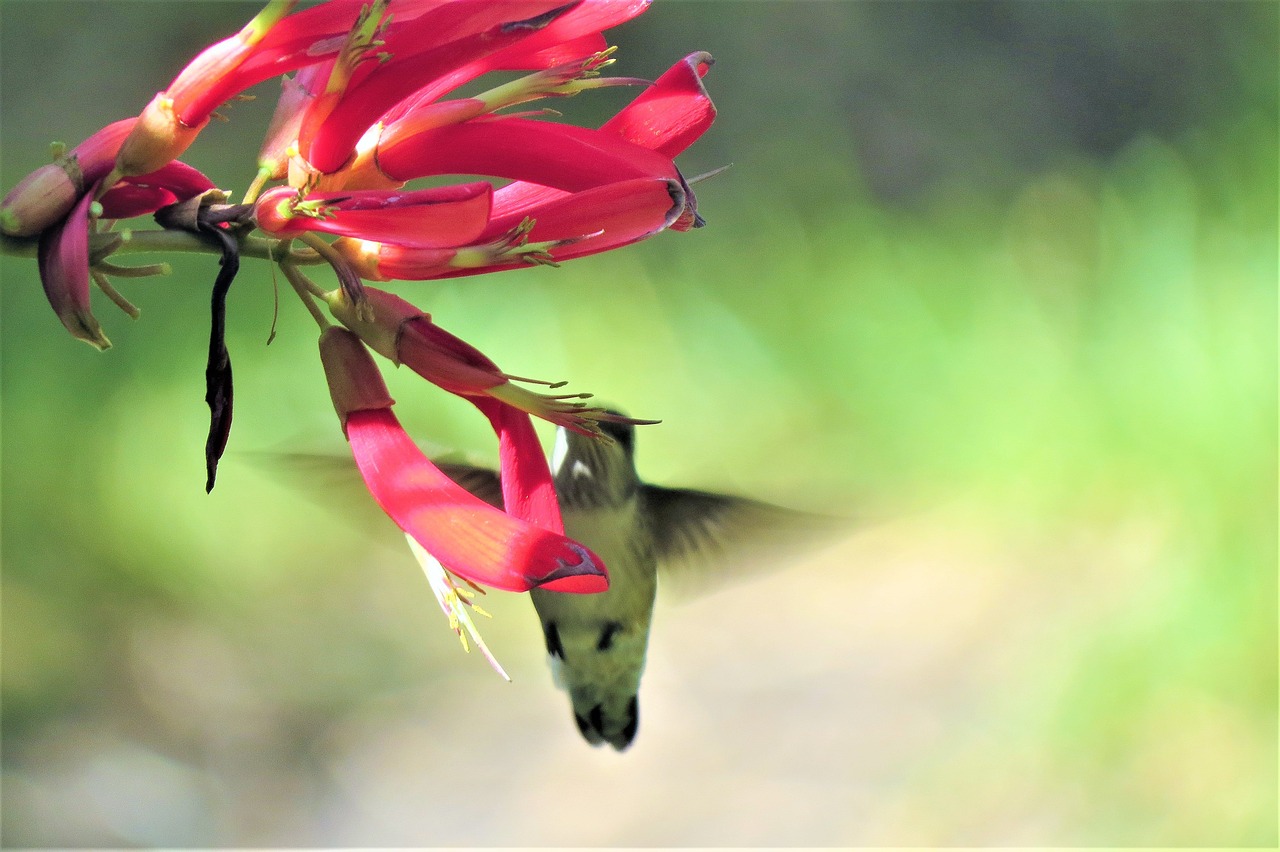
point(897, 687)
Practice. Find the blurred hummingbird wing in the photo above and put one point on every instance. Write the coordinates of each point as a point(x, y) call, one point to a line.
point(480, 481)
point(701, 536)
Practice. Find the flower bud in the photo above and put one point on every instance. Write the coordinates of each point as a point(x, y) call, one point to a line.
point(354, 381)
point(47, 195)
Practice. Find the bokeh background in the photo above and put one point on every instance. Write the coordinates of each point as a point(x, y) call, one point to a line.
point(996, 278)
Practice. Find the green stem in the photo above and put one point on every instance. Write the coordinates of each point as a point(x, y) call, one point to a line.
point(322, 249)
point(114, 295)
point(256, 29)
point(255, 188)
point(133, 271)
point(307, 291)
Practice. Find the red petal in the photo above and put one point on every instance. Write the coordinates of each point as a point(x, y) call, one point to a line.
point(672, 113)
point(440, 217)
point(527, 489)
point(63, 259)
point(137, 196)
point(469, 537)
point(227, 68)
point(443, 39)
point(555, 155)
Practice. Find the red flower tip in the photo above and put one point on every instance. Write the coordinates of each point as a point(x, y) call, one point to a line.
point(671, 114)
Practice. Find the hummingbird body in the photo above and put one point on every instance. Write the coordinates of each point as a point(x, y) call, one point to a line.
point(596, 643)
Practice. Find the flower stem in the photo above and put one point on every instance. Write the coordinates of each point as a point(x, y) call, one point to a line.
point(133, 271)
point(307, 291)
point(115, 295)
point(255, 188)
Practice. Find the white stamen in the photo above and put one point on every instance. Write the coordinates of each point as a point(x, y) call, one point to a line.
point(453, 604)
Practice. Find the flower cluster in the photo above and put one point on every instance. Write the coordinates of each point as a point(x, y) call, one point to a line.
point(370, 107)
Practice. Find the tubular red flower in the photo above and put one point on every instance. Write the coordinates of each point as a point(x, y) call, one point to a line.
point(564, 226)
point(572, 36)
point(443, 38)
point(267, 47)
point(665, 118)
point(596, 219)
point(528, 491)
point(469, 537)
point(426, 218)
point(556, 155)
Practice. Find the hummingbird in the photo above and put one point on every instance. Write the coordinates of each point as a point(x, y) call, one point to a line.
point(597, 644)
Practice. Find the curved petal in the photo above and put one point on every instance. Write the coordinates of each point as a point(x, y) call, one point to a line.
point(670, 115)
point(527, 488)
point(137, 196)
point(528, 491)
point(63, 258)
point(469, 537)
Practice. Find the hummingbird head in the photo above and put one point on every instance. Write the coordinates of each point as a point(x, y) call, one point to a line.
point(594, 472)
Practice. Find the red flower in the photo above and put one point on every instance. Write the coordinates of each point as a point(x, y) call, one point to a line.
point(443, 48)
point(575, 191)
point(403, 334)
point(269, 45)
point(426, 218)
point(567, 225)
point(469, 537)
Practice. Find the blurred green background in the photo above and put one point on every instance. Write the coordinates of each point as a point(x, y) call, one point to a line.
point(997, 278)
